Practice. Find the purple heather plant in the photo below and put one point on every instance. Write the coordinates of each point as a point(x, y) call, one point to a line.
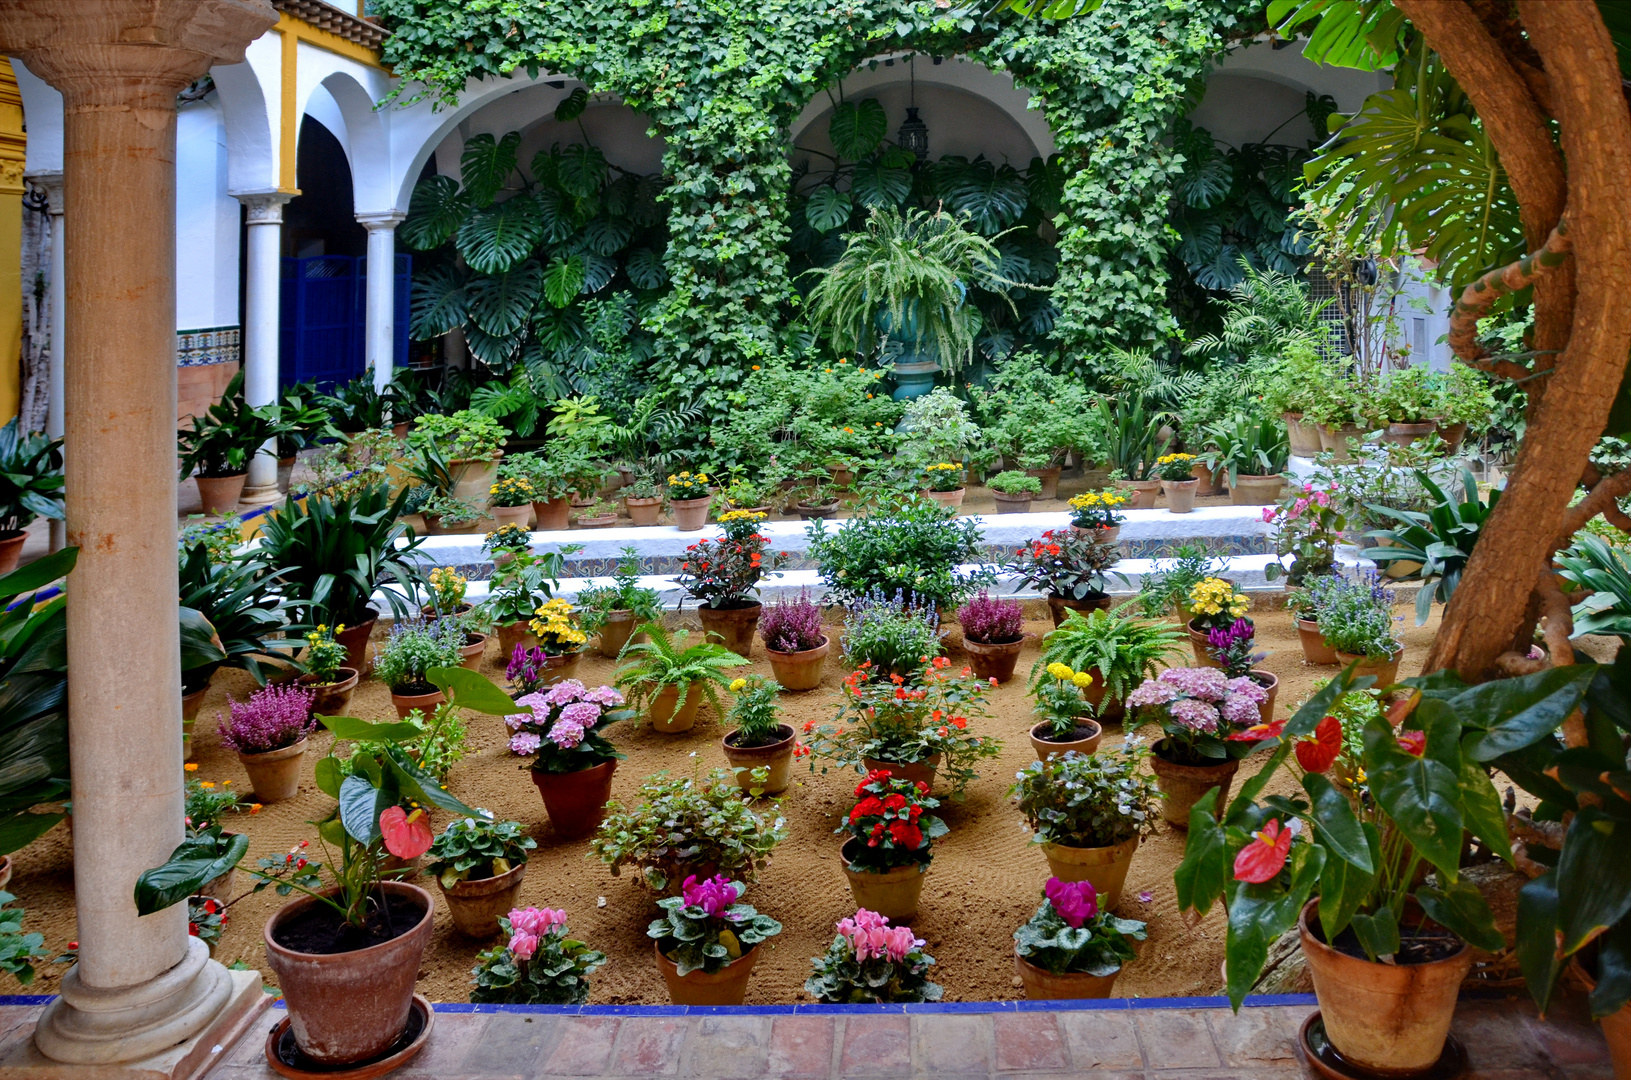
point(991, 621)
point(1231, 646)
point(273, 718)
point(790, 626)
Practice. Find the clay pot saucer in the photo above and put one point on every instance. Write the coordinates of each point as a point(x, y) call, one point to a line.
point(287, 1060)
point(1318, 1053)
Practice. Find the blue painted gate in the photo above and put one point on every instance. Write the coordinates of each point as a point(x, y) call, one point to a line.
point(324, 318)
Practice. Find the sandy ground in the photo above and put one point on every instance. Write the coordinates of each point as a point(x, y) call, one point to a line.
point(985, 880)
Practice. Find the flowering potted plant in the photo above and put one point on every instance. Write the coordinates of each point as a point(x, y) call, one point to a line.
point(206, 803)
point(689, 495)
point(943, 482)
point(478, 863)
point(706, 942)
point(1115, 649)
point(913, 728)
point(403, 662)
point(206, 920)
point(1214, 604)
point(667, 680)
point(1178, 481)
point(268, 733)
point(1088, 812)
point(1096, 513)
point(1073, 947)
point(330, 681)
point(891, 635)
point(555, 627)
point(760, 748)
point(1233, 649)
point(723, 574)
point(794, 642)
point(1303, 602)
point(890, 843)
point(1357, 621)
point(1013, 491)
point(541, 964)
point(1063, 723)
point(872, 963)
point(684, 826)
point(510, 499)
point(1209, 721)
point(563, 730)
point(446, 592)
point(1068, 568)
point(1308, 526)
point(611, 612)
point(505, 542)
point(993, 634)
point(516, 592)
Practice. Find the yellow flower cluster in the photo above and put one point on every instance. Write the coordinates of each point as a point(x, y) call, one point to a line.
point(1063, 673)
point(737, 684)
point(942, 466)
point(1214, 596)
point(688, 485)
point(512, 487)
point(556, 628)
point(1093, 500)
point(742, 515)
point(1174, 459)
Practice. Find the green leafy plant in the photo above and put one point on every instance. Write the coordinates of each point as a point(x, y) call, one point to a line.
point(1440, 540)
point(1250, 445)
point(1120, 651)
point(1134, 436)
point(756, 712)
point(1013, 482)
point(1088, 800)
point(1066, 564)
point(464, 436)
point(18, 950)
point(477, 847)
point(665, 660)
point(1601, 572)
point(1165, 589)
point(913, 545)
point(521, 586)
point(33, 700)
point(686, 824)
point(890, 635)
point(229, 433)
point(31, 479)
point(625, 593)
point(356, 406)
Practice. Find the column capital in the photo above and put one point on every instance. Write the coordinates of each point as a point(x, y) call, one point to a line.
point(52, 183)
point(265, 207)
point(380, 219)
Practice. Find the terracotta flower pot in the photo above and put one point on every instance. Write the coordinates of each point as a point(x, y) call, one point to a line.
point(560, 668)
point(1058, 605)
point(1084, 740)
point(799, 670)
point(355, 640)
point(191, 704)
point(553, 515)
point(1256, 490)
point(953, 498)
point(1401, 434)
point(666, 718)
point(995, 660)
point(474, 478)
point(512, 634)
point(470, 654)
point(1389, 1018)
point(599, 521)
point(1453, 435)
point(643, 511)
point(1012, 504)
point(575, 801)
point(1140, 493)
point(616, 632)
point(1180, 495)
point(425, 703)
point(285, 473)
point(1050, 481)
point(1101, 534)
point(477, 905)
point(275, 775)
point(893, 894)
point(842, 477)
point(777, 757)
point(727, 986)
point(734, 625)
point(436, 527)
point(1269, 681)
point(1043, 985)
point(11, 549)
point(1315, 650)
point(915, 771)
point(1335, 439)
point(1198, 645)
point(1304, 438)
point(1184, 785)
point(220, 887)
point(1105, 867)
point(690, 515)
point(331, 698)
point(1386, 671)
point(220, 494)
point(351, 1006)
point(819, 512)
point(511, 515)
point(1616, 1025)
point(1403, 568)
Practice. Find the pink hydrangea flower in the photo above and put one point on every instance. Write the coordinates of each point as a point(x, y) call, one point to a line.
point(525, 742)
point(517, 721)
point(1208, 684)
point(565, 734)
point(1074, 901)
point(564, 692)
point(1249, 688)
point(1152, 692)
point(1195, 714)
point(712, 896)
point(1240, 711)
point(604, 696)
point(582, 713)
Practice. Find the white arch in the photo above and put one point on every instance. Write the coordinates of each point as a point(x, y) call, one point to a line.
point(249, 115)
point(354, 87)
point(42, 112)
point(1288, 67)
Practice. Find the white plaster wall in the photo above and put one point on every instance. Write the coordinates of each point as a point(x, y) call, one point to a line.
point(42, 114)
point(206, 221)
point(1241, 109)
point(619, 131)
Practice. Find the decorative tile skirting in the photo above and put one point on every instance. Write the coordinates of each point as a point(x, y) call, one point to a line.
point(211, 345)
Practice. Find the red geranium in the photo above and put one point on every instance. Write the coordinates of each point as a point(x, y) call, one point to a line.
point(889, 822)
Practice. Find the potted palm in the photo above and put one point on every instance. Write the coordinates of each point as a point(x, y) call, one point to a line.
point(890, 843)
point(30, 487)
point(478, 863)
point(667, 679)
point(563, 730)
point(221, 442)
point(1068, 568)
point(1113, 649)
point(724, 573)
point(611, 612)
point(707, 941)
point(1137, 438)
point(1088, 811)
point(268, 733)
point(794, 642)
point(759, 749)
point(1073, 947)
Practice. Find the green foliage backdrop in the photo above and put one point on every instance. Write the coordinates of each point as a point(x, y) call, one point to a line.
point(723, 80)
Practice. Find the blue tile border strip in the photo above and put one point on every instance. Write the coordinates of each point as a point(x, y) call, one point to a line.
point(812, 1009)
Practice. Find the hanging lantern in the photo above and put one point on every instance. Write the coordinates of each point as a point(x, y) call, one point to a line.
point(914, 133)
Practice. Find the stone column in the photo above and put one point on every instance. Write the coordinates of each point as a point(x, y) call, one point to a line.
point(52, 183)
point(142, 988)
point(380, 351)
point(262, 315)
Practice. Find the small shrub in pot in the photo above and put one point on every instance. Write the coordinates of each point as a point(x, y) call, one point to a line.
point(795, 641)
point(479, 863)
point(895, 635)
point(541, 964)
point(614, 611)
point(404, 660)
point(707, 941)
point(1073, 947)
point(667, 679)
point(993, 634)
point(1117, 650)
point(760, 749)
point(1016, 485)
point(870, 962)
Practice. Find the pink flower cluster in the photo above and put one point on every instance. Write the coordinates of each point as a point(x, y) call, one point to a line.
point(562, 714)
point(870, 935)
point(1311, 496)
point(1198, 698)
point(713, 896)
point(527, 925)
point(1073, 901)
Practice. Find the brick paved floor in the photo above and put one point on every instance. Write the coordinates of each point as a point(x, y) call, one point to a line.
point(1003, 1041)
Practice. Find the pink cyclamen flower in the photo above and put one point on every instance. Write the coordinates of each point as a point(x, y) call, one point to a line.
point(712, 896)
point(523, 944)
point(1074, 901)
point(871, 936)
point(1268, 513)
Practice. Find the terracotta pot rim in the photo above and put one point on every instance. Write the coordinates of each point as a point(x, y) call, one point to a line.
point(768, 749)
point(1131, 842)
point(352, 678)
point(997, 646)
point(474, 888)
point(690, 502)
point(7, 535)
point(224, 476)
point(1351, 657)
point(269, 757)
point(1081, 721)
point(284, 911)
point(734, 606)
point(1191, 482)
point(1081, 976)
point(897, 873)
point(704, 976)
point(610, 763)
point(404, 698)
point(1204, 771)
point(805, 654)
point(1334, 955)
point(1274, 680)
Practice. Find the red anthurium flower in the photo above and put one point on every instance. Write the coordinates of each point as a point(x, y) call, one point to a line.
point(407, 836)
point(1261, 859)
point(1320, 752)
point(1413, 742)
point(1258, 732)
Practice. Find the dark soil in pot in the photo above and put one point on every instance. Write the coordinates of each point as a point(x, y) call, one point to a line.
point(320, 930)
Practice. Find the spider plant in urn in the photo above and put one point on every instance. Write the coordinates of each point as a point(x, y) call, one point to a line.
point(707, 941)
point(723, 574)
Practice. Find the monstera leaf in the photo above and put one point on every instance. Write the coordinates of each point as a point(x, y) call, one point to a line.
point(500, 303)
point(438, 302)
point(875, 184)
point(486, 165)
point(991, 196)
point(496, 238)
point(606, 235)
point(572, 106)
point(857, 128)
point(435, 213)
point(827, 208)
point(645, 269)
point(564, 279)
point(581, 170)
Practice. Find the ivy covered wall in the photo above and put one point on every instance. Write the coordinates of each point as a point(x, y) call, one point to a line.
point(723, 80)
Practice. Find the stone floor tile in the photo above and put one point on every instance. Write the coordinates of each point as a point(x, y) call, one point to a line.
point(1587, 1072)
point(1029, 1041)
point(583, 1045)
point(728, 1047)
point(515, 1044)
point(951, 1043)
point(452, 1038)
point(801, 1047)
point(876, 1046)
point(1176, 1039)
point(1101, 1039)
point(1568, 1034)
point(1253, 1038)
point(646, 1046)
point(1496, 1037)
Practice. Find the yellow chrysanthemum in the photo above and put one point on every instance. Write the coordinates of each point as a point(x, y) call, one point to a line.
point(1082, 678)
point(1060, 671)
point(191, 766)
point(737, 684)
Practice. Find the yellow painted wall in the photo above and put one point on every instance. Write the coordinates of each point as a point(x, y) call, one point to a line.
point(12, 142)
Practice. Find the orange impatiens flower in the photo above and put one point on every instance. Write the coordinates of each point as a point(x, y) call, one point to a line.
point(1320, 752)
point(1261, 859)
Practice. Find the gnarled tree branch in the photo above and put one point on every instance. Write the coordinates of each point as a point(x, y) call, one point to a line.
point(1480, 296)
point(1602, 499)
